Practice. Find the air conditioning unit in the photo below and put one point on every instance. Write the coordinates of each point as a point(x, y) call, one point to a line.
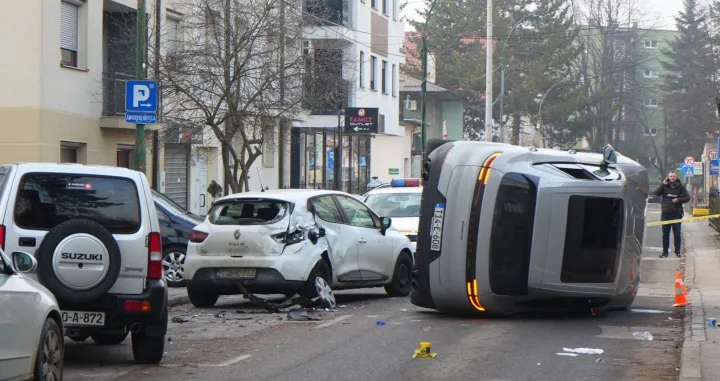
point(412, 105)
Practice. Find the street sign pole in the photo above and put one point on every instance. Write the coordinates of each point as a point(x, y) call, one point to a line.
point(140, 147)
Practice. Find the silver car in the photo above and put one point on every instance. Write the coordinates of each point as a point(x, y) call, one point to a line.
point(31, 332)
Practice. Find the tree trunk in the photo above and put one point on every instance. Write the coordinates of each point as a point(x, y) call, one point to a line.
point(515, 138)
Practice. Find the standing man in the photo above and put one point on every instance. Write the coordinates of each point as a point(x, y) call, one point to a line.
point(674, 195)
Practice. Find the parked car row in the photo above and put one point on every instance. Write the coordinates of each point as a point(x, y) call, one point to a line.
point(90, 257)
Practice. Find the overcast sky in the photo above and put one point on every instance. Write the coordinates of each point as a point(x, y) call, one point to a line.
point(660, 13)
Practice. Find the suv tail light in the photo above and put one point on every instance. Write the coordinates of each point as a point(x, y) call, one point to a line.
point(155, 270)
point(197, 236)
point(2, 237)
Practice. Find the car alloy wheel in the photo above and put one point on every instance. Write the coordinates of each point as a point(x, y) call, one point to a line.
point(174, 267)
point(53, 356)
point(325, 292)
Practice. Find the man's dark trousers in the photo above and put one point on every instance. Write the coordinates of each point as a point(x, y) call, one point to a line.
point(667, 216)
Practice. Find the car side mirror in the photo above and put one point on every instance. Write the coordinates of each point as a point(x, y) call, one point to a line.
point(385, 223)
point(321, 232)
point(23, 262)
point(609, 155)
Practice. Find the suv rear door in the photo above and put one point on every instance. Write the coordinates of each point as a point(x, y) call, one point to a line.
point(39, 201)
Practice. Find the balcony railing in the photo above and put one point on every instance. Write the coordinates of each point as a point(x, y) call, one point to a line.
point(114, 93)
point(328, 12)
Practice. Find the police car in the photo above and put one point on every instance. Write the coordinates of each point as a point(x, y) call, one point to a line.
point(401, 202)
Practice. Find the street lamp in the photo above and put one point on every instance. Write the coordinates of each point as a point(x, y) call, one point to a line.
point(502, 75)
point(539, 117)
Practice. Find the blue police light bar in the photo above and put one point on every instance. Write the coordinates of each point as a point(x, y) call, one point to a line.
point(402, 183)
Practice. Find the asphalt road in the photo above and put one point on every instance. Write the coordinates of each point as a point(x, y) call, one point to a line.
point(349, 345)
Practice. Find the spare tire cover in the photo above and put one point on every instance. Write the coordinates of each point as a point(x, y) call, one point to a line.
point(78, 261)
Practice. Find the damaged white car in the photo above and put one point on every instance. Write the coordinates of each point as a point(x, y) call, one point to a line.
point(294, 241)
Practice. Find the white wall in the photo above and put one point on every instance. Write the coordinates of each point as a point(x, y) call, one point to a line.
point(390, 152)
point(20, 82)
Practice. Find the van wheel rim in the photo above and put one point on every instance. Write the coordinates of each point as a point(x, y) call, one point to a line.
point(52, 356)
point(173, 265)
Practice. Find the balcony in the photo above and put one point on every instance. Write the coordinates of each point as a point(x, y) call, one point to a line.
point(327, 12)
point(113, 100)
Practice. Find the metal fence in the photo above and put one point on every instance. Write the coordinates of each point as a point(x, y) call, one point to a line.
point(114, 93)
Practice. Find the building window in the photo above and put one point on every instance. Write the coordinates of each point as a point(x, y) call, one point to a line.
point(384, 76)
point(70, 152)
point(385, 7)
point(69, 33)
point(651, 103)
point(172, 32)
point(651, 131)
point(395, 10)
point(381, 123)
point(373, 3)
point(126, 156)
point(651, 44)
point(651, 73)
point(362, 69)
point(373, 73)
point(394, 80)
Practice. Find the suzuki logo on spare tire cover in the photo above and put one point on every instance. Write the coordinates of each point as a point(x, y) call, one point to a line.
point(81, 261)
point(237, 234)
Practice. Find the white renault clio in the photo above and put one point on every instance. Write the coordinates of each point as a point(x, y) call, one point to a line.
point(288, 241)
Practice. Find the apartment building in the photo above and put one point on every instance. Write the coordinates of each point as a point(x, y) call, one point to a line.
point(365, 38)
point(52, 105)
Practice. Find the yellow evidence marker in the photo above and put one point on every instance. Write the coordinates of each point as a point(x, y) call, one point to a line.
point(423, 350)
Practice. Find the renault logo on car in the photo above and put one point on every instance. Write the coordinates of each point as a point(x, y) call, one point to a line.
point(237, 234)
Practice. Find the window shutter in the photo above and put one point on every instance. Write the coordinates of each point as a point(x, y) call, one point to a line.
point(68, 26)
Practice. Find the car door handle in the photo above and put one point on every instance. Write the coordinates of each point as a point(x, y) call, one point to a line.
point(362, 240)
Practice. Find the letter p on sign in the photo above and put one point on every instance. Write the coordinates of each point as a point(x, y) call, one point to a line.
point(141, 93)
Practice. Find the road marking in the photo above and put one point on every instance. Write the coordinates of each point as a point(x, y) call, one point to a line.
point(228, 362)
point(331, 322)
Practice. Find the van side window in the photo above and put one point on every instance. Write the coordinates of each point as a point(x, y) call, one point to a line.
point(511, 237)
point(45, 200)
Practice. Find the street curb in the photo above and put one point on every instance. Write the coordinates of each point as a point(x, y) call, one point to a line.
point(178, 300)
point(693, 322)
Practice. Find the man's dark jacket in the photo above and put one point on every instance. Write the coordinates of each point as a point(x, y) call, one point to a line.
point(670, 191)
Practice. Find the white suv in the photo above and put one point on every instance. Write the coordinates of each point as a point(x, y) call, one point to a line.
point(95, 234)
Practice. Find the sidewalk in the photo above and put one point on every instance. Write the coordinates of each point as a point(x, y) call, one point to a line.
point(701, 349)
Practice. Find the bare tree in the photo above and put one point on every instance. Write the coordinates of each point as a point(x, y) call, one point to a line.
point(232, 70)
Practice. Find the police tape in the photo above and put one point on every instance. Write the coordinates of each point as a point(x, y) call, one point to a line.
point(689, 219)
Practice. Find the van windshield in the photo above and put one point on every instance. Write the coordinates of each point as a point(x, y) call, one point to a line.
point(395, 205)
point(248, 212)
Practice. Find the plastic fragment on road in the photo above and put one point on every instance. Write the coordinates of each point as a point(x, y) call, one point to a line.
point(712, 323)
point(180, 319)
point(424, 350)
point(643, 335)
point(301, 315)
point(584, 351)
point(380, 322)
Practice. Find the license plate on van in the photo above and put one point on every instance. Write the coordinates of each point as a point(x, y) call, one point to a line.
point(81, 318)
point(436, 227)
point(236, 273)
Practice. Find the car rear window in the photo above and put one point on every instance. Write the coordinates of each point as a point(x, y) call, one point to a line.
point(248, 212)
point(46, 200)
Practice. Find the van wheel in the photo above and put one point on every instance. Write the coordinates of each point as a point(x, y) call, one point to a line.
point(202, 297)
point(49, 359)
point(147, 349)
point(401, 283)
point(321, 270)
point(109, 338)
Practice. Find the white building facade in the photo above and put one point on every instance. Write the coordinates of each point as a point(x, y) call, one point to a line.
point(369, 35)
